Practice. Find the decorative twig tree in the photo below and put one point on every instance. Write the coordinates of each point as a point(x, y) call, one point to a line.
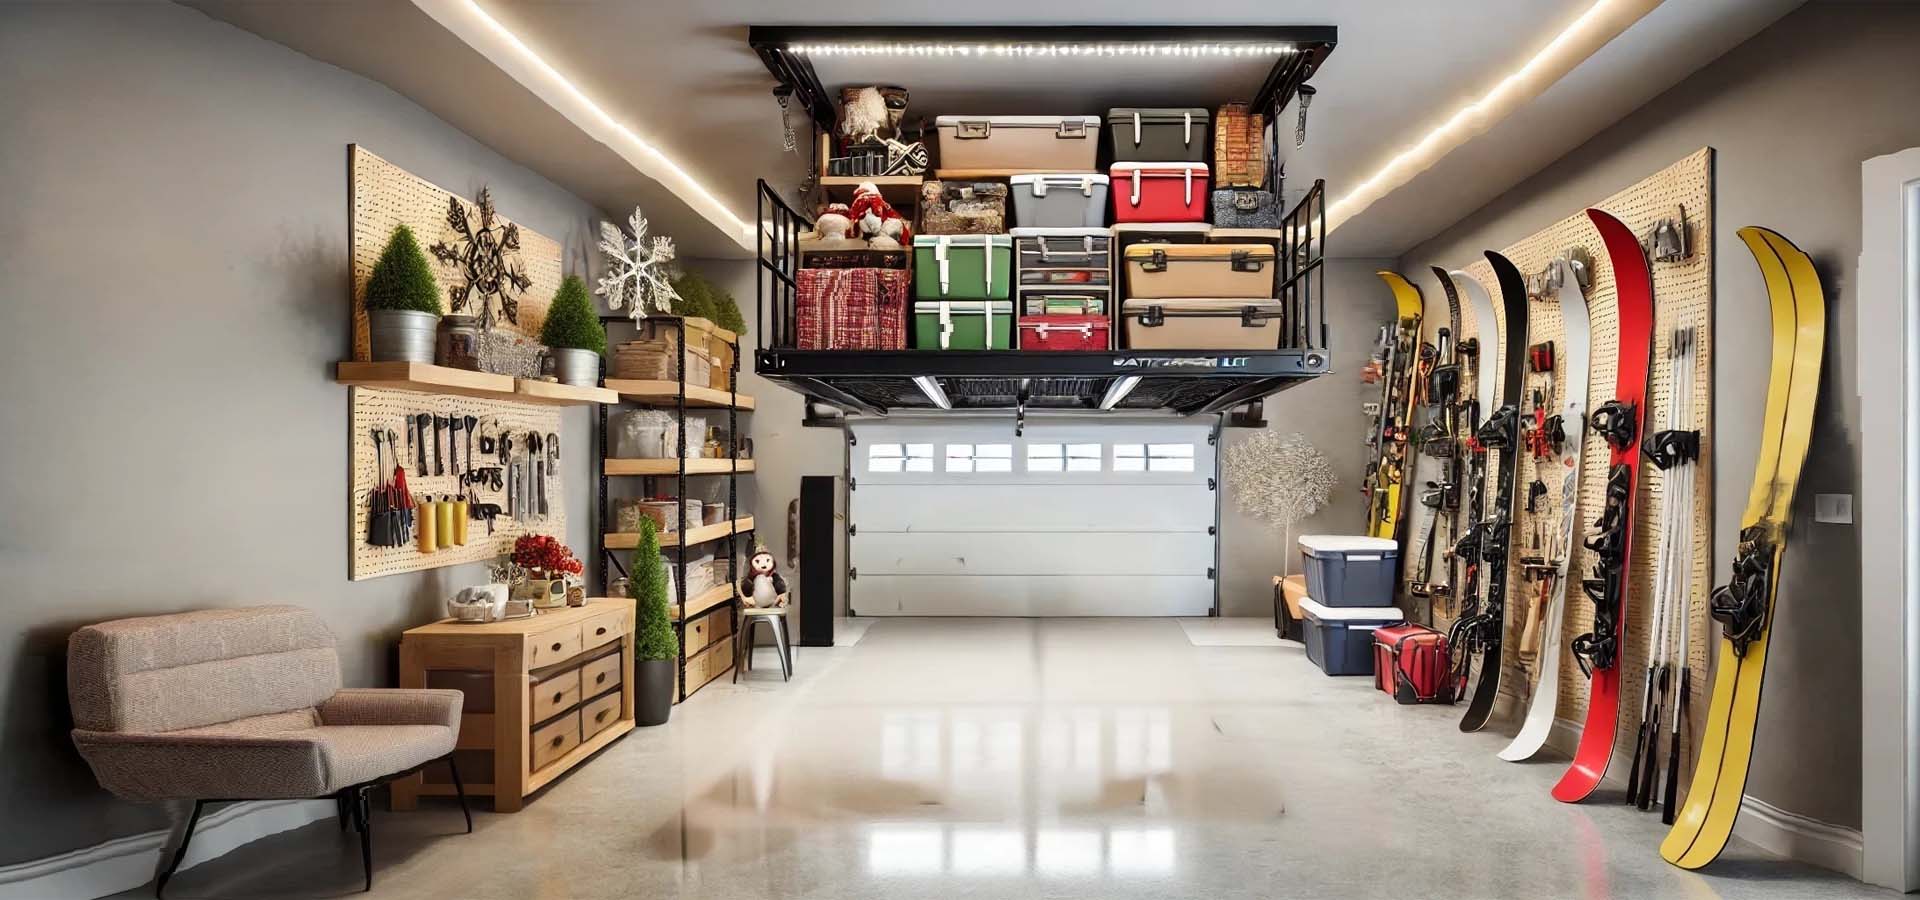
point(1280, 480)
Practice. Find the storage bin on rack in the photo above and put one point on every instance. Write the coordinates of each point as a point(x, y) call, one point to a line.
point(653, 361)
point(1159, 134)
point(1244, 207)
point(1340, 639)
point(1077, 200)
point(962, 207)
point(1064, 143)
point(1127, 234)
point(1054, 255)
point(1159, 192)
point(643, 434)
point(1239, 147)
point(1199, 270)
point(1225, 323)
point(1065, 332)
point(851, 309)
point(1350, 570)
point(628, 514)
point(963, 325)
point(1044, 302)
point(962, 266)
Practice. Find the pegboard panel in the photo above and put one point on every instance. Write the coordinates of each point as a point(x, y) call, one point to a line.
point(387, 410)
point(1683, 294)
point(384, 196)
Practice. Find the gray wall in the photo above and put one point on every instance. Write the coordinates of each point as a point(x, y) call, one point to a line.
point(173, 250)
point(1791, 114)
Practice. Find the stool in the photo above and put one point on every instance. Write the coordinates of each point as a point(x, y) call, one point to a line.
point(776, 619)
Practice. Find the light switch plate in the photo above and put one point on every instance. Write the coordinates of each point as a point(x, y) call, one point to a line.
point(1835, 509)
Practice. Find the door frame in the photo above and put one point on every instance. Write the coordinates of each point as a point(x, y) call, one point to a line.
point(1888, 368)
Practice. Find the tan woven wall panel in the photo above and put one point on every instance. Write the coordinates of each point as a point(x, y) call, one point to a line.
point(1683, 292)
point(384, 195)
point(387, 410)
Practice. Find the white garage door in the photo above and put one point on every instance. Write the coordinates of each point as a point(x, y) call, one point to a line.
point(961, 518)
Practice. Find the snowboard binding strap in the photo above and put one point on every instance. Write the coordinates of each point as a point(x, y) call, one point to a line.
point(1599, 648)
point(1666, 449)
point(1498, 430)
point(1617, 422)
point(1741, 605)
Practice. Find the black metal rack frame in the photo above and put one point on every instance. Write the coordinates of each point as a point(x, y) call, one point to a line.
point(649, 482)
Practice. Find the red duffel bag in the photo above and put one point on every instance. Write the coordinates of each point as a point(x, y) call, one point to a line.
point(1411, 664)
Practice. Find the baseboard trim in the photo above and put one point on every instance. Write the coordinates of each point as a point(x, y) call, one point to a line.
point(1799, 837)
point(129, 862)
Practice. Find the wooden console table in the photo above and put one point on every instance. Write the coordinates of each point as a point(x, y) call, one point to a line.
point(542, 695)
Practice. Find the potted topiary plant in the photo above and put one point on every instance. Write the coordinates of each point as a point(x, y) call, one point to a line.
point(573, 334)
point(695, 302)
point(725, 312)
point(656, 649)
point(402, 302)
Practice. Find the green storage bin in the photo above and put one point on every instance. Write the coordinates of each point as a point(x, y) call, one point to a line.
point(962, 266)
point(967, 324)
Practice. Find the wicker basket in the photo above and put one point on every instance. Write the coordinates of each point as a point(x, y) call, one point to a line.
point(963, 207)
point(1239, 159)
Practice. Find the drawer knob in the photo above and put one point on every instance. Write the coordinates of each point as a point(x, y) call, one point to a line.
point(600, 716)
point(559, 740)
point(600, 631)
point(556, 648)
point(557, 695)
point(600, 678)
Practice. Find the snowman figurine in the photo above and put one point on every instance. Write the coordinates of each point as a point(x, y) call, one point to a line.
point(763, 587)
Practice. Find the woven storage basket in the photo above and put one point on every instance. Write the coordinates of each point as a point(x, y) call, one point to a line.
point(653, 361)
point(963, 207)
point(1238, 160)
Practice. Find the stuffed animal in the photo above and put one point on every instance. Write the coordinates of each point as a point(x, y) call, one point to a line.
point(834, 223)
point(763, 586)
point(876, 220)
point(871, 113)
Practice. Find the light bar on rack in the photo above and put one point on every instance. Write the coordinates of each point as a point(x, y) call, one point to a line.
point(1040, 49)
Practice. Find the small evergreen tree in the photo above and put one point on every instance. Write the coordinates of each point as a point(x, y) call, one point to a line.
point(648, 585)
point(402, 278)
point(695, 300)
point(726, 311)
point(571, 322)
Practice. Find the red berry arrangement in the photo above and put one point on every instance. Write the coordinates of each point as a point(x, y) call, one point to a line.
point(540, 551)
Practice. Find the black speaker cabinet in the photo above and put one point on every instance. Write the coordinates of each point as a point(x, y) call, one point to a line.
point(818, 568)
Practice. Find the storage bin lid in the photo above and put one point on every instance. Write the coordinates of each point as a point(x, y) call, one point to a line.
point(1345, 543)
point(1371, 615)
point(1040, 231)
point(1159, 113)
point(964, 307)
point(1175, 169)
point(1176, 306)
point(1200, 252)
point(1230, 235)
point(1074, 179)
point(1017, 121)
point(963, 240)
point(1125, 228)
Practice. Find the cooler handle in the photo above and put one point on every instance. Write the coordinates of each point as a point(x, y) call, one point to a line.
point(1186, 134)
point(986, 247)
point(946, 324)
point(1136, 131)
point(1138, 176)
point(1189, 171)
point(1086, 187)
point(1363, 557)
point(940, 256)
point(1039, 187)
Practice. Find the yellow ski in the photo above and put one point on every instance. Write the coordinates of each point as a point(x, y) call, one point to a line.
point(1745, 607)
point(1386, 490)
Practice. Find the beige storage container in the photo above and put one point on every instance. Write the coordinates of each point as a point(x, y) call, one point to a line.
point(1060, 143)
point(1199, 270)
point(1218, 323)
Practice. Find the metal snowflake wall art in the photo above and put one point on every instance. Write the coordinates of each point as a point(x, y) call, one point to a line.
point(638, 276)
point(480, 255)
point(1280, 480)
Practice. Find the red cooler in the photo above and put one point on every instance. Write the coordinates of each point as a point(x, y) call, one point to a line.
point(1070, 332)
point(1159, 192)
point(1411, 664)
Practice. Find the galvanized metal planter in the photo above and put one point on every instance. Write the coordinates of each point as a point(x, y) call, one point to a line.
point(401, 335)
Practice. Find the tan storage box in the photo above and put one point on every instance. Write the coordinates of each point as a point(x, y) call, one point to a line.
point(1199, 270)
point(1065, 143)
point(1294, 588)
point(1219, 323)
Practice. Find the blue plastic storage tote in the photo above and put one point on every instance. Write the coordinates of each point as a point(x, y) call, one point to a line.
point(1340, 639)
point(1349, 570)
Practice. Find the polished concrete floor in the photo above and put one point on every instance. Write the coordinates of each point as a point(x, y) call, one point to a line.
point(1029, 758)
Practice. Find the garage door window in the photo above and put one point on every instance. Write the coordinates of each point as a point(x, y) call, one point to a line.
point(900, 458)
point(1063, 458)
point(979, 457)
point(1153, 457)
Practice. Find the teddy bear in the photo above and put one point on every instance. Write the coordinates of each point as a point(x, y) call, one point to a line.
point(763, 587)
point(834, 223)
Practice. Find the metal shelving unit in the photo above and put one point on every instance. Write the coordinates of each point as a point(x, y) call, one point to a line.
point(677, 396)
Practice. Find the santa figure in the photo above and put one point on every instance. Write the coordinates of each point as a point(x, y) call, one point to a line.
point(876, 220)
point(763, 586)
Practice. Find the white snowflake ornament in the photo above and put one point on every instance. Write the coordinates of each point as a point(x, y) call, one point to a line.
point(637, 277)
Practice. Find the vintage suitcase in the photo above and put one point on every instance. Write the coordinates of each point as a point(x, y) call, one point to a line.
point(1065, 332)
point(962, 266)
point(1239, 207)
point(1227, 323)
point(851, 309)
point(1411, 664)
point(1063, 256)
point(1177, 134)
point(1239, 147)
point(1067, 143)
point(1199, 270)
point(963, 207)
point(1159, 192)
point(1059, 201)
point(963, 325)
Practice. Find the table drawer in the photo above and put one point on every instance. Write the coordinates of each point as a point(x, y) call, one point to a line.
point(549, 647)
point(600, 675)
point(710, 664)
point(554, 695)
point(603, 629)
point(598, 714)
point(703, 631)
point(555, 739)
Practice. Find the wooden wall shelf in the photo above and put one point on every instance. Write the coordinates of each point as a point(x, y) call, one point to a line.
point(672, 466)
point(627, 540)
point(664, 393)
point(423, 378)
point(704, 601)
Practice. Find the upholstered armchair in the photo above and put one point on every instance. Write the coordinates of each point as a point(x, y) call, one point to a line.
point(245, 704)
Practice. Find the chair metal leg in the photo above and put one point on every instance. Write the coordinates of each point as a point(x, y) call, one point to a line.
point(362, 814)
point(180, 852)
point(460, 791)
point(779, 624)
point(742, 651)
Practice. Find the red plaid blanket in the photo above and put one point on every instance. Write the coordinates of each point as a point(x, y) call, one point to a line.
point(853, 309)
